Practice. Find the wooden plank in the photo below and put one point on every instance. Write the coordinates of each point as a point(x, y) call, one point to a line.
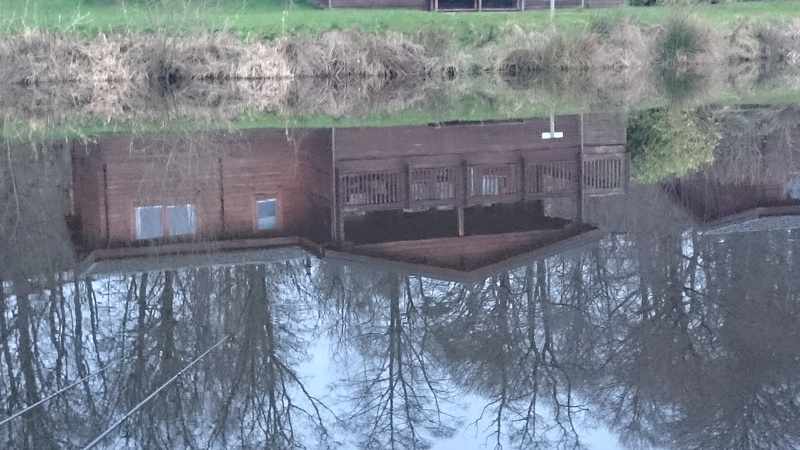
point(403, 142)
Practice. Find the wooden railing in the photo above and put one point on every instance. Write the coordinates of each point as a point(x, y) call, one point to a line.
point(434, 186)
point(493, 182)
point(372, 191)
point(605, 174)
point(424, 187)
point(552, 178)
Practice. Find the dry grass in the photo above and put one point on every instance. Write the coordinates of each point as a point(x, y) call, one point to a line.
point(112, 76)
point(52, 78)
point(608, 65)
point(353, 53)
point(354, 97)
point(36, 57)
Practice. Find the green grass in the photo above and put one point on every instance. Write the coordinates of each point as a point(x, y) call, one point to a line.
point(272, 18)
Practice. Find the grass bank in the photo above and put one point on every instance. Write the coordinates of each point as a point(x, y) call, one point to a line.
point(270, 19)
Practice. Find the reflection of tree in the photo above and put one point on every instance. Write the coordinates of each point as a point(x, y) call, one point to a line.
point(666, 144)
point(503, 340)
point(749, 397)
point(399, 396)
point(703, 359)
point(265, 401)
point(36, 422)
point(165, 421)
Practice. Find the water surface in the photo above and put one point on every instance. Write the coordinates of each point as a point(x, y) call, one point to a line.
point(474, 283)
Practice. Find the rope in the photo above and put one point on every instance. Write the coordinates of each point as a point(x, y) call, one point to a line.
point(150, 397)
point(59, 392)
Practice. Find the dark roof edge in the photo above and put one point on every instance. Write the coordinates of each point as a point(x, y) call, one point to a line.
point(750, 214)
point(197, 254)
point(407, 268)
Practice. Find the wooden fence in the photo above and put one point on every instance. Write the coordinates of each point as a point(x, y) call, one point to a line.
point(449, 186)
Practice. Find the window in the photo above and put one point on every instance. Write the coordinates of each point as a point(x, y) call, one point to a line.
point(149, 223)
point(267, 212)
point(793, 187)
point(159, 221)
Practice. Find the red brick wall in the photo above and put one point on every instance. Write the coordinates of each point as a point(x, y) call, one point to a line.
point(223, 178)
point(88, 193)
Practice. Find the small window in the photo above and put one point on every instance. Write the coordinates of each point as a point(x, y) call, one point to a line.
point(793, 187)
point(159, 221)
point(180, 219)
point(267, 214)
point(149, 223)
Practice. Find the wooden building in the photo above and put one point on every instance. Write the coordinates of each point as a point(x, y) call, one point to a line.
point(468, 5)
point(720, 198)
point(161, 188)
point(454, 197)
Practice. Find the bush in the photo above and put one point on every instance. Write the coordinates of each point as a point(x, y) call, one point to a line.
point(682, 39)
point(666, 144)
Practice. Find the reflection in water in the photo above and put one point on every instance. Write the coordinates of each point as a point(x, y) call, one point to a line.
point(354, 323)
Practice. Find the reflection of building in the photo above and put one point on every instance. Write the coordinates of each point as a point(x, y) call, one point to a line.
point(718, 207)
point(764, 184)
point(453, 199)
point(710, 201)
point(468, 5)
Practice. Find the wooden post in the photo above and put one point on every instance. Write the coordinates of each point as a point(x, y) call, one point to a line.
point(579, 176)
point(436, 5)
point(480, 5)
point(406, 186)
point(334, 190)
point(460, 214)
point(523, 187)
point(462, 199)
point(521, 5)
point(338, 226)
point(552, 10)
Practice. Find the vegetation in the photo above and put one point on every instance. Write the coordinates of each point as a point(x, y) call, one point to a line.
point(664, 144)
point(682, 39)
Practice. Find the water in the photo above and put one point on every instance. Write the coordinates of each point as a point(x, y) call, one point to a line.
point(475, 281)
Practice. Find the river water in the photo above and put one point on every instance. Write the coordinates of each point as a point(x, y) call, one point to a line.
point(577, 276)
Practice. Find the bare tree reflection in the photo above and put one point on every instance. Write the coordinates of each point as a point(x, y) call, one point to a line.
point(400, 398)
point(265, 402)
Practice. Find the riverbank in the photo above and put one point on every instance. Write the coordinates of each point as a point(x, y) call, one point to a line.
point(55, 77)
point(72, 40)
point(163, 59)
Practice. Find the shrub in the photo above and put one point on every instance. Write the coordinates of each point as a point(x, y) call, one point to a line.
point(666, 144)
point(682, 39)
